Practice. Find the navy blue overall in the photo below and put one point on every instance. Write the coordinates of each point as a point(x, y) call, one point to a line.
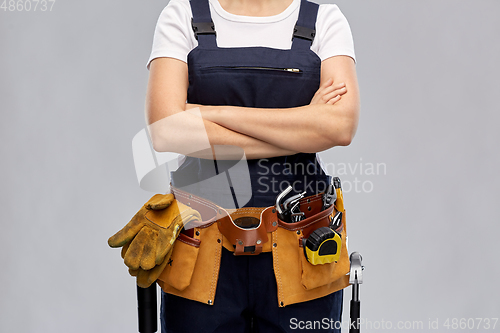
point(261, 77)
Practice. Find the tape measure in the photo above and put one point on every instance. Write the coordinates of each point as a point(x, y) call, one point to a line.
point(322, 246)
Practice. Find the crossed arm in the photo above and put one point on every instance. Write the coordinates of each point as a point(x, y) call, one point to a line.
point(330, 120)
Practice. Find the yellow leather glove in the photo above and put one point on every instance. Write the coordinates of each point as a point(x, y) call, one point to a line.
point(146, 278)
point(148, 238)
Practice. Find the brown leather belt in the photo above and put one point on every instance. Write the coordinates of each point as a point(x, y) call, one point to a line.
point(254, 239)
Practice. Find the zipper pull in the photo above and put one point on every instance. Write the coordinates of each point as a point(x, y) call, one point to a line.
point(295, 70)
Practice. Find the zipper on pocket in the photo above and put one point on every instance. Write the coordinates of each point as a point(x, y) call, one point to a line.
point(290, 70)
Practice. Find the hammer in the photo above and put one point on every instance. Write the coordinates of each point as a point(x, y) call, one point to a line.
point(355, 279)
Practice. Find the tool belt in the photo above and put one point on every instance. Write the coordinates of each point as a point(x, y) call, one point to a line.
point(194, 270)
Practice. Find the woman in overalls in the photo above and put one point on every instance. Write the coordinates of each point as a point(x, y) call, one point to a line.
point(277, 79)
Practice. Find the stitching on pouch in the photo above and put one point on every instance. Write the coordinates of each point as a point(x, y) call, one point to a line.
point(280, 286)
point(246, 212)
point(217, 260)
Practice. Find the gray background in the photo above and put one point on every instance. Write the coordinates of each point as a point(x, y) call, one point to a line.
point(72, 89)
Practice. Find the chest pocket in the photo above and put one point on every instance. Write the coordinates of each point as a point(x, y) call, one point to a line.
point(253, 77)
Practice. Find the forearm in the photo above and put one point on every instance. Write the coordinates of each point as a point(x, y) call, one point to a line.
point(254, 148)
point(310, 128)
point(187, 134)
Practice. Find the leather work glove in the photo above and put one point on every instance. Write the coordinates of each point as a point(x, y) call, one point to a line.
point(148, 238)
point(146, 278)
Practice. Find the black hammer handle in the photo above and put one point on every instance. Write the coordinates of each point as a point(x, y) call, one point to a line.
point(146, 307)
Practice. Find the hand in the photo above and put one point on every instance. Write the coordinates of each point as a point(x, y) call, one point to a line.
point(329, 93)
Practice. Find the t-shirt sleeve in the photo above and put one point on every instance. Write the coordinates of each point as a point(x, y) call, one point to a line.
point(333, 33)
point(173, 36)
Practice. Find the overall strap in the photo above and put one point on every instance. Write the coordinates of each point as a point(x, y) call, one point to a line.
point(203, 27)
point(304, 31)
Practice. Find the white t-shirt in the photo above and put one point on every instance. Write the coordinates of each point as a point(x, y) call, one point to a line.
point(174, 35)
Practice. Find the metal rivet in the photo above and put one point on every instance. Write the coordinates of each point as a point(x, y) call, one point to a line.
point(240, 242)
point(274, 244)
point(308, 207)
point(308, 200)
point(281, 303)
point(259, 241)
point(190, 196)
point(197, 233)
point(220, 211)
point(189, 204)
point(274, 210)
point(218, 240)
point(209, 302)
point(298, 232)
point(275, 223)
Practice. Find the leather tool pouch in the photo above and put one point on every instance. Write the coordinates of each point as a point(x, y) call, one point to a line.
point(180, 267)
point(318, 275)
point(297, 279)
point(193, 270)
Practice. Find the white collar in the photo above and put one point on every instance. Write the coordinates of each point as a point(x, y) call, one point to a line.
point(255, 19)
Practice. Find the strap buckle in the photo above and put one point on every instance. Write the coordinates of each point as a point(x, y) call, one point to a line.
point(304, 33)
point(203, 28)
